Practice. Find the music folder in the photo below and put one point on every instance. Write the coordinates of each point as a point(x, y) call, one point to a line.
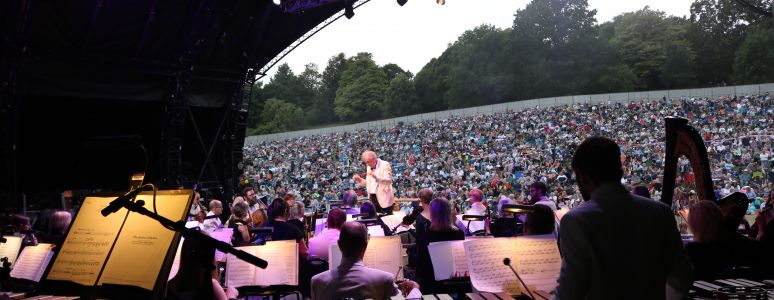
point(122, 248)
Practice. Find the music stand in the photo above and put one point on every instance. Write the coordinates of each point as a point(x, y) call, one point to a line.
point(471, 218)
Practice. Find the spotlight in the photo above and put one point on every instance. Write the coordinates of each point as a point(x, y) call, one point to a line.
point(349, 12)
point(277, 2)
point(402, 2)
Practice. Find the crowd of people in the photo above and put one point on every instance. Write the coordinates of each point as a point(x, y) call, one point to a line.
point(503, 153)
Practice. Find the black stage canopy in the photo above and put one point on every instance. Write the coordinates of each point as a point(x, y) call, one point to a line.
point(93, 90)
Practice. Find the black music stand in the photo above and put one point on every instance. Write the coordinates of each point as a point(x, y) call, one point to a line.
point(276, 292)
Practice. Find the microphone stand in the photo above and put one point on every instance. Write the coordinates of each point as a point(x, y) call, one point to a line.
point(138, 207)
point(507, 262)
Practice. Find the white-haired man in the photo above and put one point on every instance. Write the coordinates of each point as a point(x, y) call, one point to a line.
point(378, 182)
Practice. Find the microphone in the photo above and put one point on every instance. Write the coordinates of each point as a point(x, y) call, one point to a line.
point(507, 262)
point(116, 204)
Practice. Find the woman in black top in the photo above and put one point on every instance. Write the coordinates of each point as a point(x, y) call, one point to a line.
point(506, 225)
point(368, 208)
point(441, 229)
point(239, 221)
point(278, 213)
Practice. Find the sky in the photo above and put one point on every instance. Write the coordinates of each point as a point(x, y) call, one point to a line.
point(411, 35)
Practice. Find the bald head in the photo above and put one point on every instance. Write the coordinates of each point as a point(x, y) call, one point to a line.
point(476, 195)
point(353, 240)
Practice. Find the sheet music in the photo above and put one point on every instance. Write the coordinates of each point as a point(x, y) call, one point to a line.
point(474, 225)
point(319, 224)
point(448, 259)
point(485, 265)
point(10, 248)
point(87, 244)
point(281, 270)
point(538, 261)
point(375, 230)
point(383, 253)
point(33, 262)
point(238, 272)
point(223, 235)
point(143, 244)
point(176, 262)
point(193, 224)
point(283, 263)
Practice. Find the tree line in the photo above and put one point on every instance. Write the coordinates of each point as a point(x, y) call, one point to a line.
point(554, 48)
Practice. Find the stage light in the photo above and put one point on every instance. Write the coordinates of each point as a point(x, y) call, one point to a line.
point(441, 2)
point(402, 2)
point(277, 2)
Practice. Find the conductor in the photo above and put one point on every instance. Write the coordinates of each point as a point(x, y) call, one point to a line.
point(378, 182)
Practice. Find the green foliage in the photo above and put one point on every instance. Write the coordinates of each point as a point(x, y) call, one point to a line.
point(361, 90)
point(400, 97)
point(554, 48)
point(753, 63)
point(278, 116)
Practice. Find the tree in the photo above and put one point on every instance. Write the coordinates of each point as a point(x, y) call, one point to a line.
point(361, 90)
point(655, 48)
point(392, 70)
point(322, 111)
point(278, 116)
point(400, 97)
point(753, 59)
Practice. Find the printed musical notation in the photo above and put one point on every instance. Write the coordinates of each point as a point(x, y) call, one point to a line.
point(86, 247)
point(10, 248)
point(538, 261)
point(33, 262)
point(383, 253)
point(448, 259)
point(485, 265)
point(282, 269)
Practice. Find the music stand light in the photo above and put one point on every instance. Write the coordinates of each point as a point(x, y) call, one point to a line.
point(518, 208)
point(471, 218)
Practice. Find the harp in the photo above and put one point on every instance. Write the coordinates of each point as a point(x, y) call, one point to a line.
point(682, 139)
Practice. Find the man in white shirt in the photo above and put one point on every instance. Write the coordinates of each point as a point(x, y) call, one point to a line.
point(351, 279)
point(318, 245)
point(537, 192)
point(378, 182)
point(476, 196)
point(212, 220)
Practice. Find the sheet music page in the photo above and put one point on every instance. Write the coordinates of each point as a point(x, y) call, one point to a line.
point(485, 265)
point(87, 244)
point(192, 224)
point(283, 263)
point(319, 224)
point(375, 230)
point(10, 248)
point(538, 261)
point(385, 253)
point(142, 245)
point(238, 272)
point(223, 235)
point(176, 262)
point(443, 259)
point(33, 262)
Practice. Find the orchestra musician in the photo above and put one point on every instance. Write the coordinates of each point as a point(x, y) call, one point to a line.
point(617, 245)
point(257, 207)
point(351, 279)
point(369, 209)
point(378, 182)
point(441, 229)
point(476, 197)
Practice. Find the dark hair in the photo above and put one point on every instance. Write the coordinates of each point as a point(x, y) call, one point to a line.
point(240, 210)
point(368, 208)
point(540, 220)
point(641, 191)
point(599, 158)
point(440, 215)
point(278, 208)
point(353, 239)
point(425, 195)
point(336, 218)
point(247, 189)
point(540, 186)
point(349, 198)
